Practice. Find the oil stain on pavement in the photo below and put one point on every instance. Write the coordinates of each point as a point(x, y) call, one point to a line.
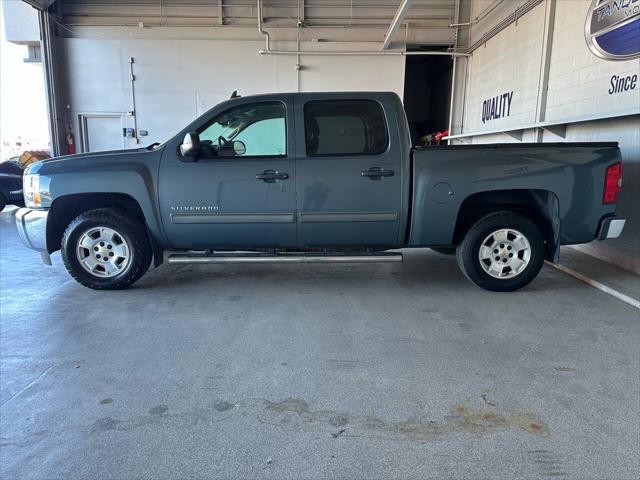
point(295, 413)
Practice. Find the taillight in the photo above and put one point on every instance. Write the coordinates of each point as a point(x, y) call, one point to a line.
point(612, 184)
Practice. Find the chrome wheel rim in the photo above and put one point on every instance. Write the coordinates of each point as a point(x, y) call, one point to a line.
point(103, 252)
point(505, 253)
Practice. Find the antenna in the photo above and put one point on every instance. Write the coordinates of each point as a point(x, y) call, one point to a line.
point(235, 94)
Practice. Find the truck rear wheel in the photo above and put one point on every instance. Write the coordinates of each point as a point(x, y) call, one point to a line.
point(502, 252)
point(106, 249)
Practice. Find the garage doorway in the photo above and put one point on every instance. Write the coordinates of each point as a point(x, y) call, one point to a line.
point(427, 95)
point(99, 132)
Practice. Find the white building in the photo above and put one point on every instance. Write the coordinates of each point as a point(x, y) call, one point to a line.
point(23, 114)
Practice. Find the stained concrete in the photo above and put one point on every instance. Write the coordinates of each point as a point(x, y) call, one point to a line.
point(371, 371)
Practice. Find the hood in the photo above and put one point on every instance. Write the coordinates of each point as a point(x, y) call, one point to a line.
point(90, 154)
point(78, 159)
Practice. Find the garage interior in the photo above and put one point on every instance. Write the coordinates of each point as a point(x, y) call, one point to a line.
point(427, 95)
point(369, 371)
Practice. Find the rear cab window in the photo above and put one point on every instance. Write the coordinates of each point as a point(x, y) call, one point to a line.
point(345, 128)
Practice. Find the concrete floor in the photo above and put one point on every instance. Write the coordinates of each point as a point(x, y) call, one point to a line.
point(373, 371)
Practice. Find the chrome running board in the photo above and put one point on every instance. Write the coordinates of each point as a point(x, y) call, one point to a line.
point(232, 257)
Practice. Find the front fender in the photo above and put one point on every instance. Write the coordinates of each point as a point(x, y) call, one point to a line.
point(133, 174)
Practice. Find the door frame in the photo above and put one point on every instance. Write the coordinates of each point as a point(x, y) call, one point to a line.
point(84, 128)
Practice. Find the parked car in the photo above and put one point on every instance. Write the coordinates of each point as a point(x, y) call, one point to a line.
point(318, 177)
point(11, 184)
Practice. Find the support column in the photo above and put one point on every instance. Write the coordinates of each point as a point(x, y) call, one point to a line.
point(460, 66)
point(56, 118)
point(543, 82)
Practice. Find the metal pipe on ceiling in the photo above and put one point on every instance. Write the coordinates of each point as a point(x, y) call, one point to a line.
point(366, 53)
point(396, 22)
point(267, 50)
point(244, 26)
point(260, 27)
point(292, 6)
point(481, 16)
point(510, 19)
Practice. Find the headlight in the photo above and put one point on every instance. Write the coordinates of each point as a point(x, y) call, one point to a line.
point(31, 190)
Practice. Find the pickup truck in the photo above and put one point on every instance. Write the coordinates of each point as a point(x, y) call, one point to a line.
point(318, 177)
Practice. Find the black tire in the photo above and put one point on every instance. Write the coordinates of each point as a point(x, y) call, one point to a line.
point(3, 202)
point(445, 250)
point(469, 250)
point(133, 233)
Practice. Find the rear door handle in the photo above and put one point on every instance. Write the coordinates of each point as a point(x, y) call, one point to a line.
point(271, 176)
point(376, 173)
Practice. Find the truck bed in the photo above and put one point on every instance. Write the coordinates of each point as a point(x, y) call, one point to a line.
point(445, 179)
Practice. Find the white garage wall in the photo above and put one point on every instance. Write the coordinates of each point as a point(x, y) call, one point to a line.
point(178, 79)
point(509, 62)
point(624, 250)
point(351, 73)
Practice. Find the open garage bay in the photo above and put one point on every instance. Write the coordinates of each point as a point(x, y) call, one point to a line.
point(396, 370)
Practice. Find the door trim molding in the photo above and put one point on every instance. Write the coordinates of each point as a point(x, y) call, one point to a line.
point(339, 217)
point(195, 218)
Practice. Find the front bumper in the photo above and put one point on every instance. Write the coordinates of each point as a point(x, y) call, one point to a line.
point(611, 227)
point(32, 228)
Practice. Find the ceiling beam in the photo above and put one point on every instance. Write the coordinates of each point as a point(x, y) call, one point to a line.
point(40, 4)
point(396, 22)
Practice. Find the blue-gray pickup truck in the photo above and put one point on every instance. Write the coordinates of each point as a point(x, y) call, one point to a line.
point(318, 177)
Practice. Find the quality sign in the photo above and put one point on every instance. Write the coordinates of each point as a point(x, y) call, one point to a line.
point(497, 107)
point(612, 29)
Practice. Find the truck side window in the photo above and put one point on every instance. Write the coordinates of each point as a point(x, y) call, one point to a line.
point(345, 127)
point(260, 126)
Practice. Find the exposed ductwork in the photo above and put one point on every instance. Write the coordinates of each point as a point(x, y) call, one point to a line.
point(262, 30)
point(401, 12)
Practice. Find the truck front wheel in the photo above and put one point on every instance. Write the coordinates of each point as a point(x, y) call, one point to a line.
point(106, 249)
point(502, 252)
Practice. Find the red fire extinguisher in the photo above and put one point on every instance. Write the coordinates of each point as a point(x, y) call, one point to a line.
point(71, 146)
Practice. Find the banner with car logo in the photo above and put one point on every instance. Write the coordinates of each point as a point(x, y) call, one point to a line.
point(612, 29)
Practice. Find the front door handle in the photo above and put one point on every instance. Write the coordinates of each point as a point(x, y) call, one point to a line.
point(376, 173)
point(271, 176)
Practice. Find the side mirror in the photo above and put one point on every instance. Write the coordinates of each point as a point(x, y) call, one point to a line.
point(190, 146)
point(239, 148)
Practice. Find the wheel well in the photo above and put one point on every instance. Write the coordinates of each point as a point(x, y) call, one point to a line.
point(540, 206)
point(64, 209)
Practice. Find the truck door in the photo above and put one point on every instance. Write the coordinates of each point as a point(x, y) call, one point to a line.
point(349, 174)
point(235, 195)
